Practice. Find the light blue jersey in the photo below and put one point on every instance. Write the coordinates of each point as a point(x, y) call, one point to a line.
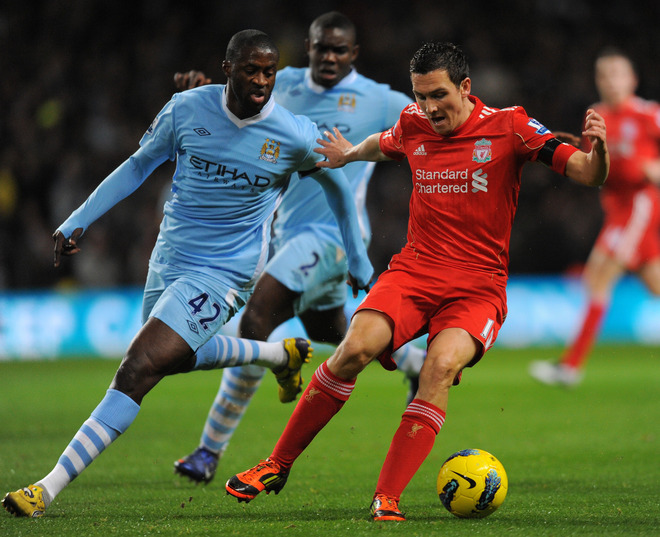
point(358, 107)
point(230, 177)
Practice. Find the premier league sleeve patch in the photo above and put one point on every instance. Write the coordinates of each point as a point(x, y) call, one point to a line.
point(538, 127)
point(152, 127)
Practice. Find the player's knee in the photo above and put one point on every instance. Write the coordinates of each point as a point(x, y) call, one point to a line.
point(441, 369)
point(128, 376)
point(351, 357)
point(653, 284)
point(137, 373)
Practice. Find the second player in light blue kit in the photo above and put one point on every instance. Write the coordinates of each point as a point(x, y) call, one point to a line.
point(306, 275)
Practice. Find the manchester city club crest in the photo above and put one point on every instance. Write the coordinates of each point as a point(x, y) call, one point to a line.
point(346, 102)
point(270, 151)
point(482, 151)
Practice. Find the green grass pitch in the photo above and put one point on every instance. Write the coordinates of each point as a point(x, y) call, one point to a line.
point(579, 462)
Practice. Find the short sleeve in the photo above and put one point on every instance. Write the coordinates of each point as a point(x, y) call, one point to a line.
point(391, 142)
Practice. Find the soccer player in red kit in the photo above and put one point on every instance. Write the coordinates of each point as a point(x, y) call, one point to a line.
point(630, 236)
point(449, 280)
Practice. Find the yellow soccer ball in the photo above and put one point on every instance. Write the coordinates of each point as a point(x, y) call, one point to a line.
point(472, 483)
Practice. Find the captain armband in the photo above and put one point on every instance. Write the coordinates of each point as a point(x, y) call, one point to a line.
point(547, 151)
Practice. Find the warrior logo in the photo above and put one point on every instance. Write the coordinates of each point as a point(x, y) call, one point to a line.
point(482, 151)
point(270, 151)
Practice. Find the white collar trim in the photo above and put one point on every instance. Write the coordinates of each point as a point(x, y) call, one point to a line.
point(240, 123)
point(317, 88)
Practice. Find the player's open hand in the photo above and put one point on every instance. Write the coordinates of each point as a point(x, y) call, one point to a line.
point(334, 149)
point(595, 131)
point(64, 246)
point(190, 79)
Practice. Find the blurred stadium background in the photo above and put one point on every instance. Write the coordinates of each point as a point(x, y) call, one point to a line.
point(83, 79)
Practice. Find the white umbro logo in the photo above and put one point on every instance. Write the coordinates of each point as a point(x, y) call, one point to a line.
point(420, 150)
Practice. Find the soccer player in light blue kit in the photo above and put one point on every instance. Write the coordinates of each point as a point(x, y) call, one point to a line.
point(235, 151)
point(306, 275)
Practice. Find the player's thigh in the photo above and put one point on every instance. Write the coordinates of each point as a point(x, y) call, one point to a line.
point(196, 308)
point(601, 273)
point(326, 325)
point(270, 305)
point(368, 336)
point(650, 275)
point(161, 348)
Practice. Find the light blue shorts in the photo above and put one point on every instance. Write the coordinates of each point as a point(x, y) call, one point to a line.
point(314, 267)
point(191, 303)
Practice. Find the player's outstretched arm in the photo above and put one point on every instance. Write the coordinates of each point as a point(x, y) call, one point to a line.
point(338, 151)
point(190, 79)
point(591, 168)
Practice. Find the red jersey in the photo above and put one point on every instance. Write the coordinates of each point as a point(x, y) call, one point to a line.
point(633, 137)
point(466, 185)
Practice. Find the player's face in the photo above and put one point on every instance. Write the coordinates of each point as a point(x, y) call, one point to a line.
point(331, 54)
point(250, 81)
point(615, 79)
point(445, 106)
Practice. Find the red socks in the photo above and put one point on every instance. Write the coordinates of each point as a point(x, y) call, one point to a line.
point(323, 398)
point(411, 444)
point(577, 354)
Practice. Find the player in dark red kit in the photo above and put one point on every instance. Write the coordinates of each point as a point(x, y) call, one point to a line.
point(630, 236)
point(449, 280)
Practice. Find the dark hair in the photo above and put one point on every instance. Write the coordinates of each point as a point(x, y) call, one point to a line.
point(615, 52)
point(333, 19)
point(435, 56)
point(246, 39)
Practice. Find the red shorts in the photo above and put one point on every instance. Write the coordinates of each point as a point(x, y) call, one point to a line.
point(422, 298)
point(631, 231)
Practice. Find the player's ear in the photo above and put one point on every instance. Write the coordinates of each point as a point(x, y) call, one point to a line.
point(465, 87)
point(307, 45)
point(226, 68)
point(356, 51)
